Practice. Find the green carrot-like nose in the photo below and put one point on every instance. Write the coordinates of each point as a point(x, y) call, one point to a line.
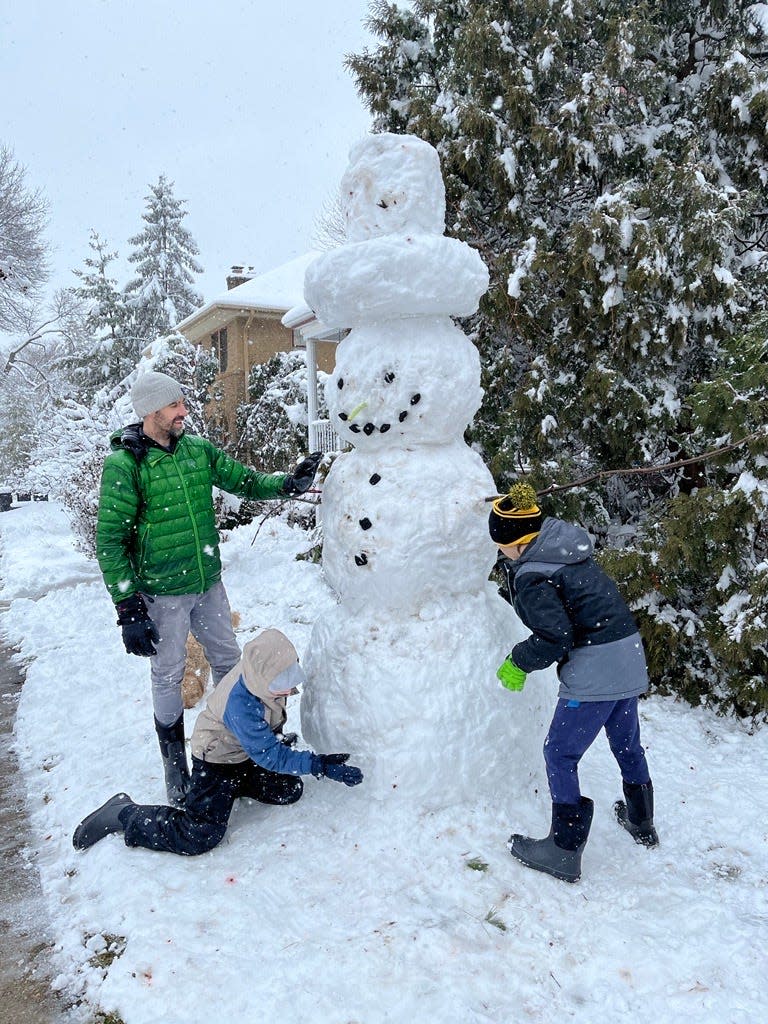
point(357, 409)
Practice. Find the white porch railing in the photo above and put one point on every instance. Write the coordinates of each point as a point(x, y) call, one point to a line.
point(323, 438)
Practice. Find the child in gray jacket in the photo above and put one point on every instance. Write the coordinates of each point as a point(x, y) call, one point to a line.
point(580, 622)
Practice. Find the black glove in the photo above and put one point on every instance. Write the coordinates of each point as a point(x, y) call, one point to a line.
point(139, 631)
point(332, 766)
point(300, 480)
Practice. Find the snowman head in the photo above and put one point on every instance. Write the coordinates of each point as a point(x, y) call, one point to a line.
point(393, 186)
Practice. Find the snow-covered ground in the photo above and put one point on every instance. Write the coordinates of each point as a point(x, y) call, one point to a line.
point(340, 909)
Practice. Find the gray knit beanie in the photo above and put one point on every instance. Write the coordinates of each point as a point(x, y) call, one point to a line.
point(153, 391)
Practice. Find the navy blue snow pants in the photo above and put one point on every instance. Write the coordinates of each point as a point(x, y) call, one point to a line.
point(202, 823)
point(574, 728)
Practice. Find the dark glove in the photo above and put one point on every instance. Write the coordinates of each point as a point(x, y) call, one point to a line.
point(301, 479)
point(332, 766)
point(139, 631)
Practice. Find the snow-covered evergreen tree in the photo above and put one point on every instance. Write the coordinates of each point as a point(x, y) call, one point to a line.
point(161, 294)
point(102, 355)
point(106, 310)
point(610, 163)
point(272, 425)
point(271, 429)
point(699, 580)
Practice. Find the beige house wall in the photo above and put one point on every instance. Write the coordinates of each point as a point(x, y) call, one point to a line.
point(252, 337)
point(326, 356)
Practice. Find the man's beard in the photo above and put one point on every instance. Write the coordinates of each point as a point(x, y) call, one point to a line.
point(176, 431)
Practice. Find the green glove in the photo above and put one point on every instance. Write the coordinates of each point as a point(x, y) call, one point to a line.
point(512, 677)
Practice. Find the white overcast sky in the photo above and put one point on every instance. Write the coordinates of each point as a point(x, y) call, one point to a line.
point(245, 106)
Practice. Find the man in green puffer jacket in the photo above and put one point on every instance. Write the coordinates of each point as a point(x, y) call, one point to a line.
point(158, 546)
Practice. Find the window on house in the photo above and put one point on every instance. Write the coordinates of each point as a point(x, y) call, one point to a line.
point(219, 347)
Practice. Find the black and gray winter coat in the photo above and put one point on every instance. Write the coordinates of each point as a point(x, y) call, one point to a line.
point(577, 617)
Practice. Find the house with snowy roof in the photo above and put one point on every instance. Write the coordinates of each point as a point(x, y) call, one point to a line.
point(244, 326)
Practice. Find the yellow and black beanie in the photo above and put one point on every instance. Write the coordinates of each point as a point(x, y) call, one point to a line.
point(515, 518)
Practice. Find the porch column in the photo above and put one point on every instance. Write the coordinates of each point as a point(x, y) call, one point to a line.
point(311, 393)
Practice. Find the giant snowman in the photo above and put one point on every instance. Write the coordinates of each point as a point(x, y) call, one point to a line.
point(402, 672)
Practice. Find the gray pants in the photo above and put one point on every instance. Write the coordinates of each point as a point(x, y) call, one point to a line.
point(209, 619)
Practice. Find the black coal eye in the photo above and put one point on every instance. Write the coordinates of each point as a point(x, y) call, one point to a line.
point(415, 399)
point(361, 559)
point(374, 479)
point(340, 383)
point(403, 415)
point(366, 523)
point(389, 376)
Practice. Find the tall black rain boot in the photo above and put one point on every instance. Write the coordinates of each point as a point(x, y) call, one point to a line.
point(636, 815)
point(104, 821)
point(174, 755)
point(559, 854)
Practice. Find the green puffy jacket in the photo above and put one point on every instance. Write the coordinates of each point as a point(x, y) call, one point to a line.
point(156, 530)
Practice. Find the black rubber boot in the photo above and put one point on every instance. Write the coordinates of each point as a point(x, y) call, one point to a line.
point(560, 853)
point(636, 815)
point(174, 755)
point(102, 822)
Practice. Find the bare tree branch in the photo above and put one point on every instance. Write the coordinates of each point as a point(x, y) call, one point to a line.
point(22, 249)
point(645, 470)
point(64, 307)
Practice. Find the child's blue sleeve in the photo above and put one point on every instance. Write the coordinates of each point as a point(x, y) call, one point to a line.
point(244, 717)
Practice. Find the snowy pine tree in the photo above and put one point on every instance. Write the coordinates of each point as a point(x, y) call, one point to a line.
point(700, 579)
point(161, 294)
point(102, 354)
point(106, 311)
point(272, 426)
point(609, 162)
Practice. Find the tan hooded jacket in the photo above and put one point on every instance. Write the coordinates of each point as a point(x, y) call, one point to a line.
point(263, 658)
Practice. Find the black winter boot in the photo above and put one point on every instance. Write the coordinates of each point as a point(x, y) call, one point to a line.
point(102, 822)
point(560, 853)
point(636, 815)
point(174, 755)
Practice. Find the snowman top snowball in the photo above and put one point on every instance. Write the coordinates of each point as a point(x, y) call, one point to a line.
point(392, 186)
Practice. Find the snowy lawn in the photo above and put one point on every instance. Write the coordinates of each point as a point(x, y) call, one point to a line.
point(340, 910)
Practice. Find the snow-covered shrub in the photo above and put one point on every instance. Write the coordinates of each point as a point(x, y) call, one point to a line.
point(272, 424)
point(272, 432)
point(19, 424)
point(66, 463)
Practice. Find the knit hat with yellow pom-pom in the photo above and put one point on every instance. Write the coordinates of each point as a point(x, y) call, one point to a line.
point(515, 518)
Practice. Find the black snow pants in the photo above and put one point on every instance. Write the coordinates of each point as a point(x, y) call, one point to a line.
point(201, 824)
